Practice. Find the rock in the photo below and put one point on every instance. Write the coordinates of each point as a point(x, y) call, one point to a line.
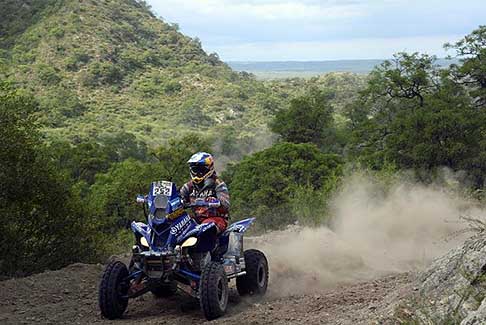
point(477, 317)
point(449, 290)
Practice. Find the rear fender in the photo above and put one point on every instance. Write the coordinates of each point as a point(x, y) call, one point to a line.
point(240, 226)
point(233, 244)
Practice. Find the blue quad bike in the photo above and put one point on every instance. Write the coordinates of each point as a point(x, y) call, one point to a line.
point(173, 252)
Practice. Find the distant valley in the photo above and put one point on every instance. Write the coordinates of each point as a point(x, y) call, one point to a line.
point(307, 69)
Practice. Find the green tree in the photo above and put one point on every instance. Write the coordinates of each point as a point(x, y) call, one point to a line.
point(407, 76)
point(308, 119)
point(42, 223)
point(471, 50)
point(262, 185)
point(111, 198)
point(416, 117)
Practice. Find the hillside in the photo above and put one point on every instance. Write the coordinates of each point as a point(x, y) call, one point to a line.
point(110, 66)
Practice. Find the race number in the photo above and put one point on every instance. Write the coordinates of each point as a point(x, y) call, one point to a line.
point(162, 188)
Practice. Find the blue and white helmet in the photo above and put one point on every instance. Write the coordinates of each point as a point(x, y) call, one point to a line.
point(201, 166)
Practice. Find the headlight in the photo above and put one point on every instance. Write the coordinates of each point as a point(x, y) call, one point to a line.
point(191, 241)
point(144, 242)
point(161, 201)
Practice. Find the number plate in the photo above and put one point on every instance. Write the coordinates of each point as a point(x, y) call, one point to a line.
point(162, 188)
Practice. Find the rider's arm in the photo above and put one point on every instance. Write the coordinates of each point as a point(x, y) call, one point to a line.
point(222, 194)
point(185, 192)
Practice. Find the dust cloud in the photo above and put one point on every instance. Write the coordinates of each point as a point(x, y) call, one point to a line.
point(376, 229)
point(261, 140)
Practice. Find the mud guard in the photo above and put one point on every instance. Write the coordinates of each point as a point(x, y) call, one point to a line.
point(141, 229)
point(205, 234)
point(238, 227)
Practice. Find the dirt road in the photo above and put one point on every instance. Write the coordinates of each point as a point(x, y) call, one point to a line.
point(70, 296)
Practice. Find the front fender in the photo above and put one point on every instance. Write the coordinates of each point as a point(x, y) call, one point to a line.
point(206, 236)
point(199, 230)
point(142, 229)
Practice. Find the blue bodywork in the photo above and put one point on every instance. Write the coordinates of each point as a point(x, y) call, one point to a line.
point(170, 225)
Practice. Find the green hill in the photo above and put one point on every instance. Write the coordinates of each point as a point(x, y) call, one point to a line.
point(110, 65)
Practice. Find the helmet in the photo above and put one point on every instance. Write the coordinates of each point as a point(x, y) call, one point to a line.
point(201, 166)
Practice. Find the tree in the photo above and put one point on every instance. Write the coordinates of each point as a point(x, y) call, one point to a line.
point(416, 117)
point(111, 198)
point(471, 50)
point(42, 223)
point(262, 185)
point(309, 119)
point(407, 76)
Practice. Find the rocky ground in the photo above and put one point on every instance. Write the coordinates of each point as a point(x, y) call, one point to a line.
point(451, 291)
point(70, 295)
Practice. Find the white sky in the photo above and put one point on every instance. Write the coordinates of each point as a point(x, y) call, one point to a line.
point(275, 30)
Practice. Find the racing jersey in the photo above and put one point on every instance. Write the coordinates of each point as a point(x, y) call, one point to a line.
point(214, 188)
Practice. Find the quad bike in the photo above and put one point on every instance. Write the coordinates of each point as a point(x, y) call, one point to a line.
point(172, 252)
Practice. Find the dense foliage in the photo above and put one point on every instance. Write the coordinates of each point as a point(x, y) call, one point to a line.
point(104, 66)
point(98, 98)
point(309, 119)
point(420, 117)
point(42, 222)
point(264, 184)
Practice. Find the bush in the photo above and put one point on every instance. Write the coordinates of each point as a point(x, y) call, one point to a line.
point(43, 225)
point(47, 74)
point(104, 73)
point(263, 185)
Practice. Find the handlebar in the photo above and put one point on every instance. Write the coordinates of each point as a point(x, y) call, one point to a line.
point(198, 203)
point(202, 203)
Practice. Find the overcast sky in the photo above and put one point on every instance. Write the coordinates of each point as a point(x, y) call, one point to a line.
point(276, 30)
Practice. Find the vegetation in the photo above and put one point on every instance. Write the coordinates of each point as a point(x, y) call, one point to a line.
point(99, 67)
point(309, 119)
point(43, 225)
point(418, 117)
point(98, 98)
point(264, 184)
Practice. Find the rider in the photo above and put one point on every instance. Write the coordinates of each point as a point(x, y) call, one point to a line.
point(206, 191)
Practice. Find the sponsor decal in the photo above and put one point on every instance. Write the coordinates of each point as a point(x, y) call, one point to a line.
point(180, 226)
point(240, 228)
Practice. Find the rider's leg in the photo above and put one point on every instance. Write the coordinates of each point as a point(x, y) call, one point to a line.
point(221, 223)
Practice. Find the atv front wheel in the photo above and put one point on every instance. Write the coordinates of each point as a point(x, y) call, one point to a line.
point(113, 290)
point(164, 289)
point(255, 281)
point(213, 290)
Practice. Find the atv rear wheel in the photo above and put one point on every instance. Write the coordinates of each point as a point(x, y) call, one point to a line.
point(164, 289)
point(213, 290)
point(255, 281)
point(112, 295)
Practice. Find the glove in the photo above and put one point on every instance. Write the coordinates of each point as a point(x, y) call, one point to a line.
point(200, 203)
point(213, 202)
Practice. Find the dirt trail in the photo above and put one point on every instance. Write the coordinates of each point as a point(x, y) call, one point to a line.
point(70, 295)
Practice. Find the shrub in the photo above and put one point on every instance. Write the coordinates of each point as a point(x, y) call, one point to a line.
point(264, 184)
